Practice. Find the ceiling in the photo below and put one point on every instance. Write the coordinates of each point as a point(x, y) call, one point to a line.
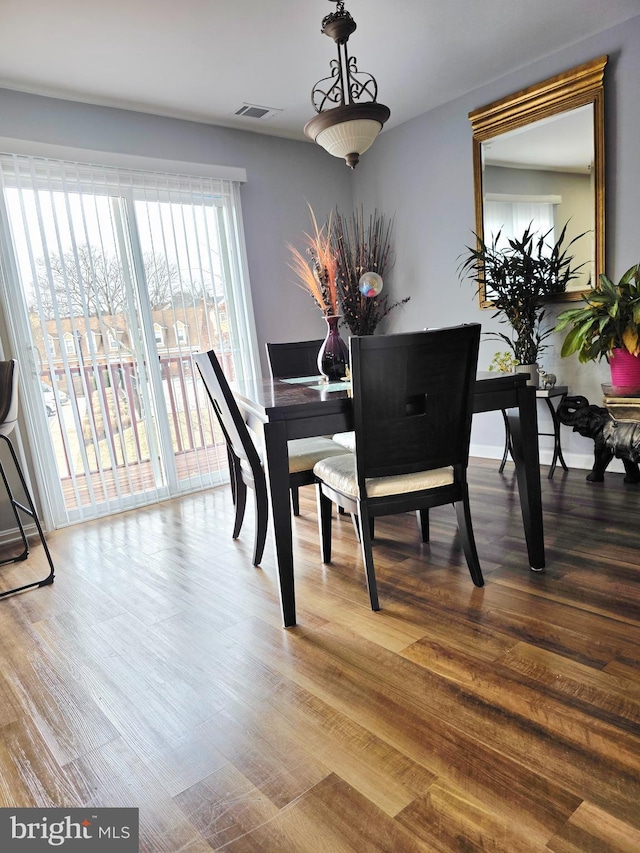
point(203, 59)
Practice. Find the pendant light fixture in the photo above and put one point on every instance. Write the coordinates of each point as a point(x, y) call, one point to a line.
point(349, 117)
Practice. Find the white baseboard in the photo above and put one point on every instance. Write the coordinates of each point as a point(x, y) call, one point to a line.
point(11, 537)
point(581, 461)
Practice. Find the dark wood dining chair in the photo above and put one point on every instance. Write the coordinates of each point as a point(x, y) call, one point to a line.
point(244, 458)
point(413, 404)
point(289, 361)
point(293, 359)
point(8, 421)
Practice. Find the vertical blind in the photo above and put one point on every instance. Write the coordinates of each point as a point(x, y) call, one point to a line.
point(112, 278)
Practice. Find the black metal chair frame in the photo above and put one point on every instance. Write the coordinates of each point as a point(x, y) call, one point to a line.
point(413, 405)
point(8, 420)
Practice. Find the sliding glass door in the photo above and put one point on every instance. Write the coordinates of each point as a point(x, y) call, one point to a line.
point(113, 279)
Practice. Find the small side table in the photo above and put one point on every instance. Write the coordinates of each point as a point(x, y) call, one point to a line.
point(546, 394)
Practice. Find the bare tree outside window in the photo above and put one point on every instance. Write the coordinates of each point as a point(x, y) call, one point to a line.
point(88, 281)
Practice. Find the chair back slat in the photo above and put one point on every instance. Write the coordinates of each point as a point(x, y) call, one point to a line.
point(297, 358)
point(226, 408)
point(413, 399)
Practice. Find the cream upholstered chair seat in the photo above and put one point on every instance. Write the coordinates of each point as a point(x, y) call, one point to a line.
point(305, 452)
point(346, 440)
point(339, 473)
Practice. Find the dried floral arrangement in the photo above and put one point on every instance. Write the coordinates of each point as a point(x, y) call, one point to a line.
point(334, 260)
point(362, 246)
point(317, 268)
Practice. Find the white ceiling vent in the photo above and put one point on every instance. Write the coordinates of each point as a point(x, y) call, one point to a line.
point(257, 112)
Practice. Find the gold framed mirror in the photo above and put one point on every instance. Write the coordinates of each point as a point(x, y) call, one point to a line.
point(538, 155)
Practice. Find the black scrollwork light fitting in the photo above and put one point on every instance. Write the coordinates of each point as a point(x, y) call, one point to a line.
point(349, 128)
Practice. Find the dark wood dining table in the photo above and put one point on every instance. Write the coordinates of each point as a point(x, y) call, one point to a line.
point(282, 410)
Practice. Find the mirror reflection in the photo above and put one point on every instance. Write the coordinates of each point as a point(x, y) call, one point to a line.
point(539, 157)
point(543, 174)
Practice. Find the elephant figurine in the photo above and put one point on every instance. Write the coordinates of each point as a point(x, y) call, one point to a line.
point(610, 437)
point(547, 380)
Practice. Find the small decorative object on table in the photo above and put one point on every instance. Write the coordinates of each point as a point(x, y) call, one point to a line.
point(317, 273)
point(547, 380)
point(333, 358)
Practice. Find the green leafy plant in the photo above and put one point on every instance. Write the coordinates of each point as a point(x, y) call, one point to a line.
point(516, 276)
point(608, 319)
point(503, 362)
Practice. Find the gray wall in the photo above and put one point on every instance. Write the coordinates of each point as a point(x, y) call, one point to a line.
point(422, 172)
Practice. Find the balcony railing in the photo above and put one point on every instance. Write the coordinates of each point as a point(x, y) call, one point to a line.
point(107, 414)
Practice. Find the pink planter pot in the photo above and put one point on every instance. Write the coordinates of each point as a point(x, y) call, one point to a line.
point(625, 369)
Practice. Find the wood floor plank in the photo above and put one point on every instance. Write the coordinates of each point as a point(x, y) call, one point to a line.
point(387, 776)
point(448, 818)
point(31, 776)
point(592, 830)
point(114, 775)
point(226, 807)
point(615, 696)
point(331, 816)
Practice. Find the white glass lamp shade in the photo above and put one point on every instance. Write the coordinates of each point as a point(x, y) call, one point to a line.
point(349, 137)
point(347, 131)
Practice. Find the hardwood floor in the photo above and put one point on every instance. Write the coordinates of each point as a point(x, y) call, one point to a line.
point(155, 673)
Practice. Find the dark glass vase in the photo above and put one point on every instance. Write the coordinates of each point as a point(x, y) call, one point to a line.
point(333, 357)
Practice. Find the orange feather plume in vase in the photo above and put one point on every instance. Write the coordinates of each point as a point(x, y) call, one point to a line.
point(318, 270)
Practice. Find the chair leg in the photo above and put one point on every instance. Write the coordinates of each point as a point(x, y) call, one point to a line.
point(14, 506)
point(324, 523)
point(241, 503)
point(507, 442)
point(424, 524)
point(262, 517)
point(29, 510)
point(465, 527)
point(232, 473)
point(367, 555)
point(356, 526)
point(295, 500)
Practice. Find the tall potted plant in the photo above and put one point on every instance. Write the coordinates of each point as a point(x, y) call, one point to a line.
point(516, 275)
point(607, 326)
